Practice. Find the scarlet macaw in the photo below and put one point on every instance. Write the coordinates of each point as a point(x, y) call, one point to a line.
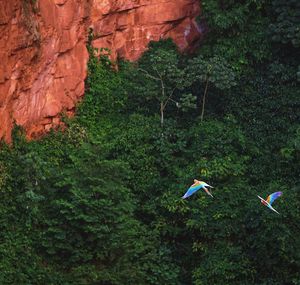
point(195, 187)
point(271, 198)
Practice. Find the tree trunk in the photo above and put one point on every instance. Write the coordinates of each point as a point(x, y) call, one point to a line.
point(162, 114)
point(203, 100)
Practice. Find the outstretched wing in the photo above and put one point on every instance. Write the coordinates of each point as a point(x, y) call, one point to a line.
point(270, 207)
point(207, 192)
point(205, 184)
point(271, 198)
point(191, 190)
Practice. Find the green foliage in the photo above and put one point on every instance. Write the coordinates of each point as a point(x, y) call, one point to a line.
point(77, 216)
point(290, 155)
point(164, 79)
point(225, 262)
point(237, 31)
point(105, 90)
point(214, 70)
point(286, 28)
point(292, 150)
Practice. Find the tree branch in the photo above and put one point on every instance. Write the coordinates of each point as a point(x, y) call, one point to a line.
point(148, 74)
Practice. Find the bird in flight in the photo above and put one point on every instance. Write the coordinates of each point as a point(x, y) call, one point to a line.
point(271, 198)
point(197, 186)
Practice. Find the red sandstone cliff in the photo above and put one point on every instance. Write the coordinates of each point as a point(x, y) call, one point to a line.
point(43, 49)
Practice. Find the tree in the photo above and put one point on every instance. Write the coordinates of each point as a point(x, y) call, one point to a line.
point(164, 78)
point(215, 71)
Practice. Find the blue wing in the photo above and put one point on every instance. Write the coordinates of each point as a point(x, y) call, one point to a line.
point(192, 190)
point(271, 198)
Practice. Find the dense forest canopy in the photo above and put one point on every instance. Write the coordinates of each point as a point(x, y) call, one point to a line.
point(100, 202)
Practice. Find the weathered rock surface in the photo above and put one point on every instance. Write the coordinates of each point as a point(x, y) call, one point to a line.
point(126, 27)
point(43, 50)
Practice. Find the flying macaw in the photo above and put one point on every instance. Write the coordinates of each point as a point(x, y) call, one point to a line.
point(271, 198)
point(195, 187)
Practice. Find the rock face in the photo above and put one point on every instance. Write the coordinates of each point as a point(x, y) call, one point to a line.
point(44, 57)
point(127, 26)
